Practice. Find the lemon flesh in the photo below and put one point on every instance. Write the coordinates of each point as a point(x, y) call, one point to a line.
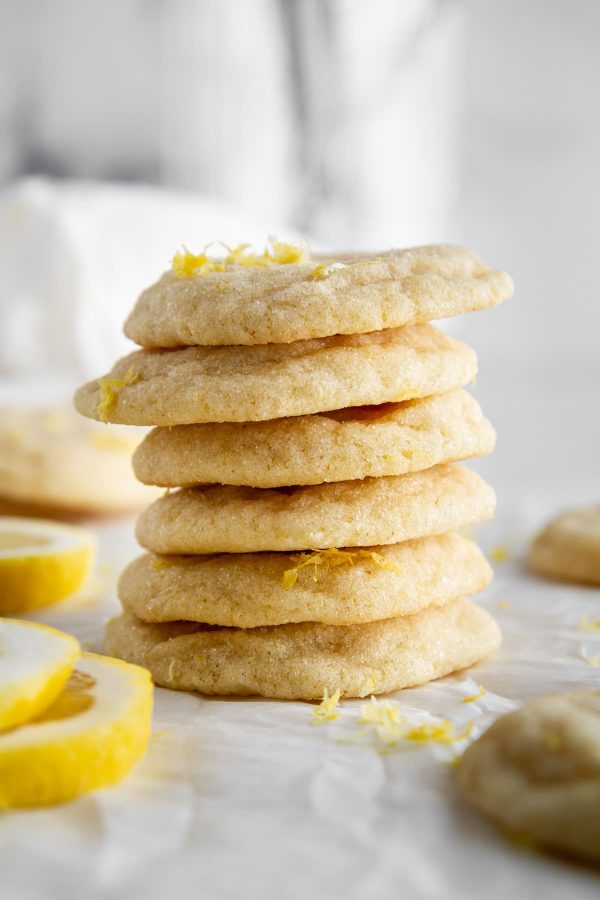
point(40, 562)
point(35, 663)
point(89, 738)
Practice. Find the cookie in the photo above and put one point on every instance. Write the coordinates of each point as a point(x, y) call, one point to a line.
point(337, 446)
point(340, 294)
point(343, 588)
point(47, 457)
point(225, 519)
point(301, 661)
point(536, 772)
point(569, 547)
point(247, 384)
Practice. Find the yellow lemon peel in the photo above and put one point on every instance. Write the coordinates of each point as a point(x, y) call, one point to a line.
point(499, 553)
point(276, 253)
point(587, 624)
point(35, 664)
point(327, 710)
point(90, 737)
point(317, 558)
point(471, 699)
point(109, 389)
point(41, 562)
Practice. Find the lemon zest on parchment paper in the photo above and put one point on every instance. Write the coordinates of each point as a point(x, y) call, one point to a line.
point(587, 624)
point(327, 710)
point(590, 660)
point(110, 388)
point(500, 553)
point(383, 720)
point(442, 732)
point(471, 699)
point(335, 557)
point(276, 253)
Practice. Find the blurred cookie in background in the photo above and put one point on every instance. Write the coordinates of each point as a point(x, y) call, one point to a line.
point(56, 464)
point(568, 549)
point(536, 773)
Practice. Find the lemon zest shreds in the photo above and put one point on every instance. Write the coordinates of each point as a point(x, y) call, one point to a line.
point(335, 557)
point(282, 254)
point(276, 253)
point(186, 263)
point(591, 660)
point(160, 563)
point(384, 718)
point(477, 696)
point(443, 732)
point(499, 553)
point(109, 389)
point(327, 710)
point(369, 686)
point(323, 271)
point(587, 624)
point(505, 604)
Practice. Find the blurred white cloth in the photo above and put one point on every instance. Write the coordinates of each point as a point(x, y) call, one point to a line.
point(75, 255)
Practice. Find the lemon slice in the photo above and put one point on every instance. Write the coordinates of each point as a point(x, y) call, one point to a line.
point(35, 662)
point(40, 562)
point(90, 737)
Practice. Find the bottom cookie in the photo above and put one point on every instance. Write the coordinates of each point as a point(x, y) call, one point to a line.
point(301, 661)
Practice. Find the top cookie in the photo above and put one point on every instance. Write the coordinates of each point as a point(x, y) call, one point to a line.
point(349, 293)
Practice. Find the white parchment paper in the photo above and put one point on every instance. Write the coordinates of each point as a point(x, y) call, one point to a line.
point(247, 798)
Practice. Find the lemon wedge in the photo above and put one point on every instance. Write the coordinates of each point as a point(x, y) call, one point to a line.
point(40, 562)
point(90, 737)
point(35, 663)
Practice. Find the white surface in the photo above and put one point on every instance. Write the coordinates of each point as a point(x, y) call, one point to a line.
point(247, 798)
point(74, 256)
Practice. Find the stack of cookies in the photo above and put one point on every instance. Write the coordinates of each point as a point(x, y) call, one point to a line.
point(310, 420)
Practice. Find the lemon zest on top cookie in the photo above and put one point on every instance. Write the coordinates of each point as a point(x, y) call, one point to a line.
point(327, 710)
point(276, 253)
point(185, 263)
point(109, 388)
point(323, 271)
point(587, 624)
point(471, 699)
point(336, 557)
